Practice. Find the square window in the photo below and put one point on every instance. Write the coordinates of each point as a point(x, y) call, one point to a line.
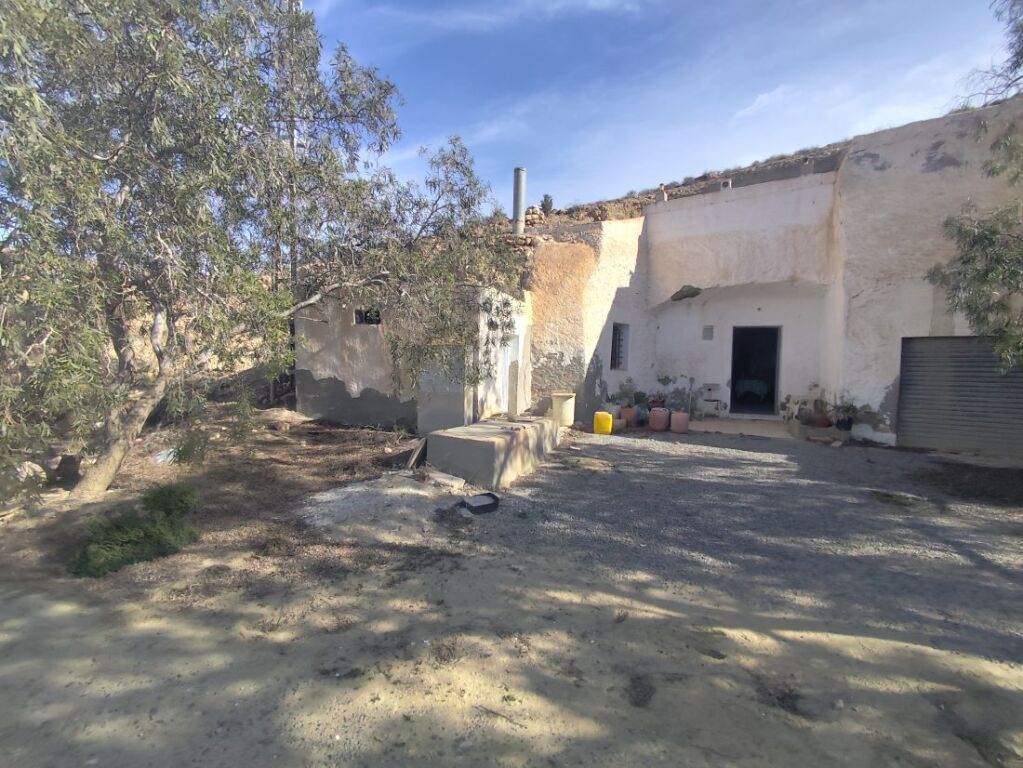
point(367, 317)
point(619, 346)
point(708, 333)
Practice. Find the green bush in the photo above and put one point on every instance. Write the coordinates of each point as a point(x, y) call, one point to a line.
point(173, 498)
point(132, 537)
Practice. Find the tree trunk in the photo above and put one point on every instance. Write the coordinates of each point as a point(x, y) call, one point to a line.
point(121, 430)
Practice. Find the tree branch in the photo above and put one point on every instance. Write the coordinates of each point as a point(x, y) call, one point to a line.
point(317, 297)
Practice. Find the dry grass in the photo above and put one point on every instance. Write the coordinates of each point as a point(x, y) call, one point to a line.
point(246, 488)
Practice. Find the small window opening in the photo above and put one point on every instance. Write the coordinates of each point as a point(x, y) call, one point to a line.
point(367, 317)
point(708, 333)
point(619, 346)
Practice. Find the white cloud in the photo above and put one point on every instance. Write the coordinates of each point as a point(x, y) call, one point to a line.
point(692, 108)
point(617, 146)
point(487, 16)
point(766, 100)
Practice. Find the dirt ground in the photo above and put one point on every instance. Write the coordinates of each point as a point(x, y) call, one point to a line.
point(707, 600)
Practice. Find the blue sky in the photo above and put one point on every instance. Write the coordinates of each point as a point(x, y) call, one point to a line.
point(599, 97)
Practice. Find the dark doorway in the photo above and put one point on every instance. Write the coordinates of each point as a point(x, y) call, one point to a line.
point(755, 370)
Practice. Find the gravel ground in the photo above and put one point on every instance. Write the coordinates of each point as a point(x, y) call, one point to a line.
point(837, 533)
point(702, 600)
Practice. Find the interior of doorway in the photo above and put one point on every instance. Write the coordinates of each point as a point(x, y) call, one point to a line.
point(755, 370)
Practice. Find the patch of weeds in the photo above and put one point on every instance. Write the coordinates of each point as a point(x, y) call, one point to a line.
point(329, 570)
point(217, 571)
point(570, 669)
point(704, 629)
point(192, 448)
point(111, 543)
point(585, 463)
point(417, 558)
point(520, 641)
point(712, 653)
point(343, 674)
point(780, 695)
point(275, 546)
point(621, 616)
point(894, 498)
point(446, 652)
point(509, 698)
point(640, 690)
point(270, 624)
point(364, 558)
point(340, 624)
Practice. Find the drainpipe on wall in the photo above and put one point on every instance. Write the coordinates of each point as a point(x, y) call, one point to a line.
point(519, 203)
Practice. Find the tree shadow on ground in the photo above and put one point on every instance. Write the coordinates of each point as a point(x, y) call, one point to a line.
point(699, 602)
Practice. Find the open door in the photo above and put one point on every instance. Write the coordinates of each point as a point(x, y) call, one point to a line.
point(755, 370)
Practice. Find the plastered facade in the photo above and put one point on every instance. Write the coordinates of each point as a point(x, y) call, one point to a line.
point(344, 374)
point(837, 260)
point(835, 257)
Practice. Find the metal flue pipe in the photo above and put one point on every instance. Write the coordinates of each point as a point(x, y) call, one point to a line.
point(519, 203)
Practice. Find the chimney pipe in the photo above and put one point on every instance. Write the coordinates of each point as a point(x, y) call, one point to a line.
point(519, 203)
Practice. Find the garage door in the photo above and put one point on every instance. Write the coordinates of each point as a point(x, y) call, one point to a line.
point(953, 396)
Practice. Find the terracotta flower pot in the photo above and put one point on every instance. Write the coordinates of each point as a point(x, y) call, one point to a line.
point(629, 414)
point(659, 419)
point(679, 421)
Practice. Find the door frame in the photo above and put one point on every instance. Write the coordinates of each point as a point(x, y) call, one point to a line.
point(776, 406)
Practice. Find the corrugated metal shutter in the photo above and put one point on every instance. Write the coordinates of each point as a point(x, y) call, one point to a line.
point(953, 396)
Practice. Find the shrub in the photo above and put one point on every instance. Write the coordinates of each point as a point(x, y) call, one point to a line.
point(132, 537)
point(174, 499)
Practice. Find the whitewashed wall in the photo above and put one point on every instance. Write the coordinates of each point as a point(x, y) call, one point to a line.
point(894, 191)
point(774, 232)
point(682, 353)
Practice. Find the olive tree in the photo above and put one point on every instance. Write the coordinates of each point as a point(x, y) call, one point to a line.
point(985, 279)
point(178, 178)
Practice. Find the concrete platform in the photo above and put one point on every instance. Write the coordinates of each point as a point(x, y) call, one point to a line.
point(493, 453)
point(752, 427)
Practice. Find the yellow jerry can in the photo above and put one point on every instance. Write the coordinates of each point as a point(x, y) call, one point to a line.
point(602, 423)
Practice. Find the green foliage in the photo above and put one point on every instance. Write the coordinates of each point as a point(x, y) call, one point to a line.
point(176, 178)
point(985, 279)
point(192, 448)
point(172, 499)
point(111, 543)
point(243, 422)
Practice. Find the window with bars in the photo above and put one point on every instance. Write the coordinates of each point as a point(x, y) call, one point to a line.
point(619, 346)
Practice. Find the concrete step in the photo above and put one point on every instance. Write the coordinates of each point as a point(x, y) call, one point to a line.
point(493, 453)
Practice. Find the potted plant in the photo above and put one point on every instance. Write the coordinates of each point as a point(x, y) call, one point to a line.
point(815, 416)
point(844, 414)
point(627, 398)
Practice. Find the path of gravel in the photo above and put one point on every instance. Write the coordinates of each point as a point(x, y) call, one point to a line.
point(852, 533)
point(705, 600)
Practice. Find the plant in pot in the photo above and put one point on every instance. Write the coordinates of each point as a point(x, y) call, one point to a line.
point(627, 398)
point(815, 416)
point(612, 406)
point(844, 415)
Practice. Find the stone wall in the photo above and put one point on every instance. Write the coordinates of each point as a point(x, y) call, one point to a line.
point(558, 285)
